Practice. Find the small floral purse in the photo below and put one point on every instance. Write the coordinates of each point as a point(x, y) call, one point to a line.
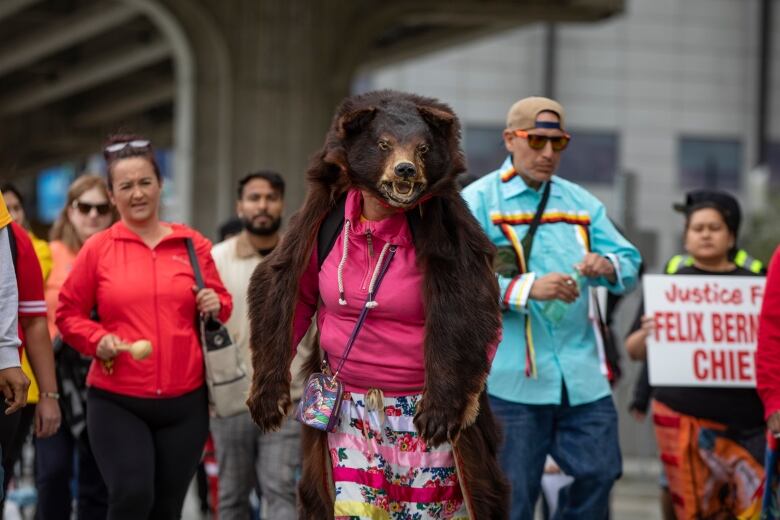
point(320, 404)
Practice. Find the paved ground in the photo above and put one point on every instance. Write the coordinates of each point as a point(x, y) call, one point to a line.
point(635, 496)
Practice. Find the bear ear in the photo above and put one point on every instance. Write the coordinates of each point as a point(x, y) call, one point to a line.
point(436, 117)
point(336, 159)
point(354, 121)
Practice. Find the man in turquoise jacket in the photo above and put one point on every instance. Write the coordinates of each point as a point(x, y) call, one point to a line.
point(548, 383)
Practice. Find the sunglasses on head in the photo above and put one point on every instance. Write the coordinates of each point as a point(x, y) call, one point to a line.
point(137, 143)
point(85, 208)
point(538, 142)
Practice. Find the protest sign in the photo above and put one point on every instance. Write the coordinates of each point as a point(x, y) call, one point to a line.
point(706, 329)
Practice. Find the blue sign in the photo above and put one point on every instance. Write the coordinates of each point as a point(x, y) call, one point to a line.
point(52, 190)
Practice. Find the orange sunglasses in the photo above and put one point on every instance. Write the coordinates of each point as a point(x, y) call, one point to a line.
point(538, 142)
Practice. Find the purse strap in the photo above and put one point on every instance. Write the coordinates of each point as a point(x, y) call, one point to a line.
point(194, 262)
point(198, 278)
point(364, 312)
point(528, 240)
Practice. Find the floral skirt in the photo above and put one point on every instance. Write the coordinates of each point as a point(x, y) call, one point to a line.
point(383, 470)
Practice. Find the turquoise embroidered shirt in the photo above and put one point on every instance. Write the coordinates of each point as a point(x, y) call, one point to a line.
point(573, 222)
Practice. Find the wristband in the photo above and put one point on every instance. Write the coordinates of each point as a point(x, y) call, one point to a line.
point(50, 395)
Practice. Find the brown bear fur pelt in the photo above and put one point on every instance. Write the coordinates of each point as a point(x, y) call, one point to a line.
point(460, 292)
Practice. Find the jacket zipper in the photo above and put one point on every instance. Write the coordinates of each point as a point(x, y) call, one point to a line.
point(157, 325)
point(369, 258)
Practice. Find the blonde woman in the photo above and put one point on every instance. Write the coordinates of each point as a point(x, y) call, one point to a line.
point(87, 211)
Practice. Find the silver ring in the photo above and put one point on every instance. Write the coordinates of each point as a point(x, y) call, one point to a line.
point(569, 282)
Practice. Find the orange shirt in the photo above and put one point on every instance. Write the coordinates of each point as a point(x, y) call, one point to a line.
point(62, 262)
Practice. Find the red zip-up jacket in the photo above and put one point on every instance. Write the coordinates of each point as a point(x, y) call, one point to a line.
point(768, 351)
point(140, 293)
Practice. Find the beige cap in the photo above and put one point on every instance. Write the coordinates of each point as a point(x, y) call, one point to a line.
point(522, 115)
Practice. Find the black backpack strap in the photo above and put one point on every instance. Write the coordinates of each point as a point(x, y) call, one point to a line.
point(414, 219)
point(12, 243)
point(330, 229)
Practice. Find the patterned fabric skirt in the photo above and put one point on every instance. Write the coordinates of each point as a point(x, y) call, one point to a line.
point(383, 470)
point(713, 472)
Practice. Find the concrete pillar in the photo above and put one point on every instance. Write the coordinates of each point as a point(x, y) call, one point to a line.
point(267, 77)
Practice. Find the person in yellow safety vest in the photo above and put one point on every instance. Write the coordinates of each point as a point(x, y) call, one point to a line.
point(741, 259)
point(733, 216)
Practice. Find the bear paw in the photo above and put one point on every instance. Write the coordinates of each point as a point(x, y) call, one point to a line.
point(437, 425)
point(267, 410)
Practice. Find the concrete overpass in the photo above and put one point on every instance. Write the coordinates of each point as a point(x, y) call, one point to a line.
point(230, 85)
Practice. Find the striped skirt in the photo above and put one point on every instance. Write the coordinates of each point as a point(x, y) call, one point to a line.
point(383, 470)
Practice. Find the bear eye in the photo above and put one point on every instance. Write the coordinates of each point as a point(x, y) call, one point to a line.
point(423, 149)
point(384, 146)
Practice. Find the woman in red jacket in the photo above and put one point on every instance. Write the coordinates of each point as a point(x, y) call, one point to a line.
point(148, 419)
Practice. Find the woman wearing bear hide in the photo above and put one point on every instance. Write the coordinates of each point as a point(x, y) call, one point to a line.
point(414, 436)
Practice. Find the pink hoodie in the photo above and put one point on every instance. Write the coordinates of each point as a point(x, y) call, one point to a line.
point(388, 353)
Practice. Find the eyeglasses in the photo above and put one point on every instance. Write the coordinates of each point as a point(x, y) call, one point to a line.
point(137, 143)
point(85, 208)
point(538, 142)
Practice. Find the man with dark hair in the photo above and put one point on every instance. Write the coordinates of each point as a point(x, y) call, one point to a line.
point(246, 457)
point(272, 178)
point(259, 207)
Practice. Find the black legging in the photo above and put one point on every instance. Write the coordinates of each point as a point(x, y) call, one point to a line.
point(12, 450)
point(8, 425)
point(147, 450)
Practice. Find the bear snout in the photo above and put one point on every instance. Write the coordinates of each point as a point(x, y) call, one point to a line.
point(405, 170)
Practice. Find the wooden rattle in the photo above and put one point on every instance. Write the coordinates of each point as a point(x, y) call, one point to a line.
point(139, 349)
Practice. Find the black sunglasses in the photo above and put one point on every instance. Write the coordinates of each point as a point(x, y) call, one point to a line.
point(85, 208)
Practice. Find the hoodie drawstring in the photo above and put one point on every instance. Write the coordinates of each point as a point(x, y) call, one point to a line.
point(342, 263)
point(371, 303)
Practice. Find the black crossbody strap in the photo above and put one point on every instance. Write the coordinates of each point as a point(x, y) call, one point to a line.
point(195, 264)
point(528, 240)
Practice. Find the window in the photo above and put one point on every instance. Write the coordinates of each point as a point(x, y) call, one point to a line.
point(711, 163)
point(591, 157)
point(484, 149)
